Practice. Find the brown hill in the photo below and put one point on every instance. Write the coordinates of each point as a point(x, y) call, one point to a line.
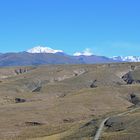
point(67, 100)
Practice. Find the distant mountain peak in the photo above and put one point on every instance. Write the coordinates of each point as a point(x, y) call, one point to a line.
point(127, 58)
point(40, 49)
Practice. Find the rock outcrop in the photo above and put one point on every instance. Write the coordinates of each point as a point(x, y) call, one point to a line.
point(114, 124)
point(134, 99)
point(19, 100)
point(21, 71)
point(128, 78)
point(132, 77)
point(93, 84)
point(33, 123)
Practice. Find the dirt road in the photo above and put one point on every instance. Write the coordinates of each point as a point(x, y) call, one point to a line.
point(101, 127)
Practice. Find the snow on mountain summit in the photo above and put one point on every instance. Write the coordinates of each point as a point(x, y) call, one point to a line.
point(127, 58)
point(40, 49)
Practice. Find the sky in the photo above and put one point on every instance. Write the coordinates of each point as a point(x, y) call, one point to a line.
point(102, 27)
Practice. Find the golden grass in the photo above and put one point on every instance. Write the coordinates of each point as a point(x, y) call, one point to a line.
point(61, 98)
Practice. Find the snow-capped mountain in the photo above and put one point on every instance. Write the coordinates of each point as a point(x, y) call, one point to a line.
point(40, 49)
point(45, 55)
point(127, 58)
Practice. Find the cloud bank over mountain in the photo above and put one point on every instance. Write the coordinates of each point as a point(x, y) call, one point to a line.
point(86, 52)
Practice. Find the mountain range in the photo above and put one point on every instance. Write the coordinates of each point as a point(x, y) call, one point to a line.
point(44, 55)
point(127, 58)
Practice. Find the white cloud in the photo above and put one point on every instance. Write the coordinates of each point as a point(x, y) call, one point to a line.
point(86, 52)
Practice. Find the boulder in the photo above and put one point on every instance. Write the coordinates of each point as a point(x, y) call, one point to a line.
point(19, 100)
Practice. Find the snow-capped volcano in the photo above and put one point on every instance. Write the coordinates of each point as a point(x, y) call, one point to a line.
point(127, 58)
point(40, 49)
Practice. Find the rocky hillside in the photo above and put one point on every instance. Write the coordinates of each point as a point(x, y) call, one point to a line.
point(69, 102)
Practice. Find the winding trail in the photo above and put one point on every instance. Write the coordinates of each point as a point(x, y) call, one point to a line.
point(101, 127)
point(99, 131)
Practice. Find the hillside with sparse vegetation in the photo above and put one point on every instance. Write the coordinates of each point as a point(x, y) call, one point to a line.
point(69, 102)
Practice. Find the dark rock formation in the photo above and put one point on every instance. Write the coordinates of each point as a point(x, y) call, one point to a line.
point(93, 85)
point(19, 100)
point(20, 71)
point(134, 99)
point(114, 124)
point(33, 123)
point(128, 78)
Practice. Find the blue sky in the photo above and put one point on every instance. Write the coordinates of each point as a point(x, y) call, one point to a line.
point(106, 27)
